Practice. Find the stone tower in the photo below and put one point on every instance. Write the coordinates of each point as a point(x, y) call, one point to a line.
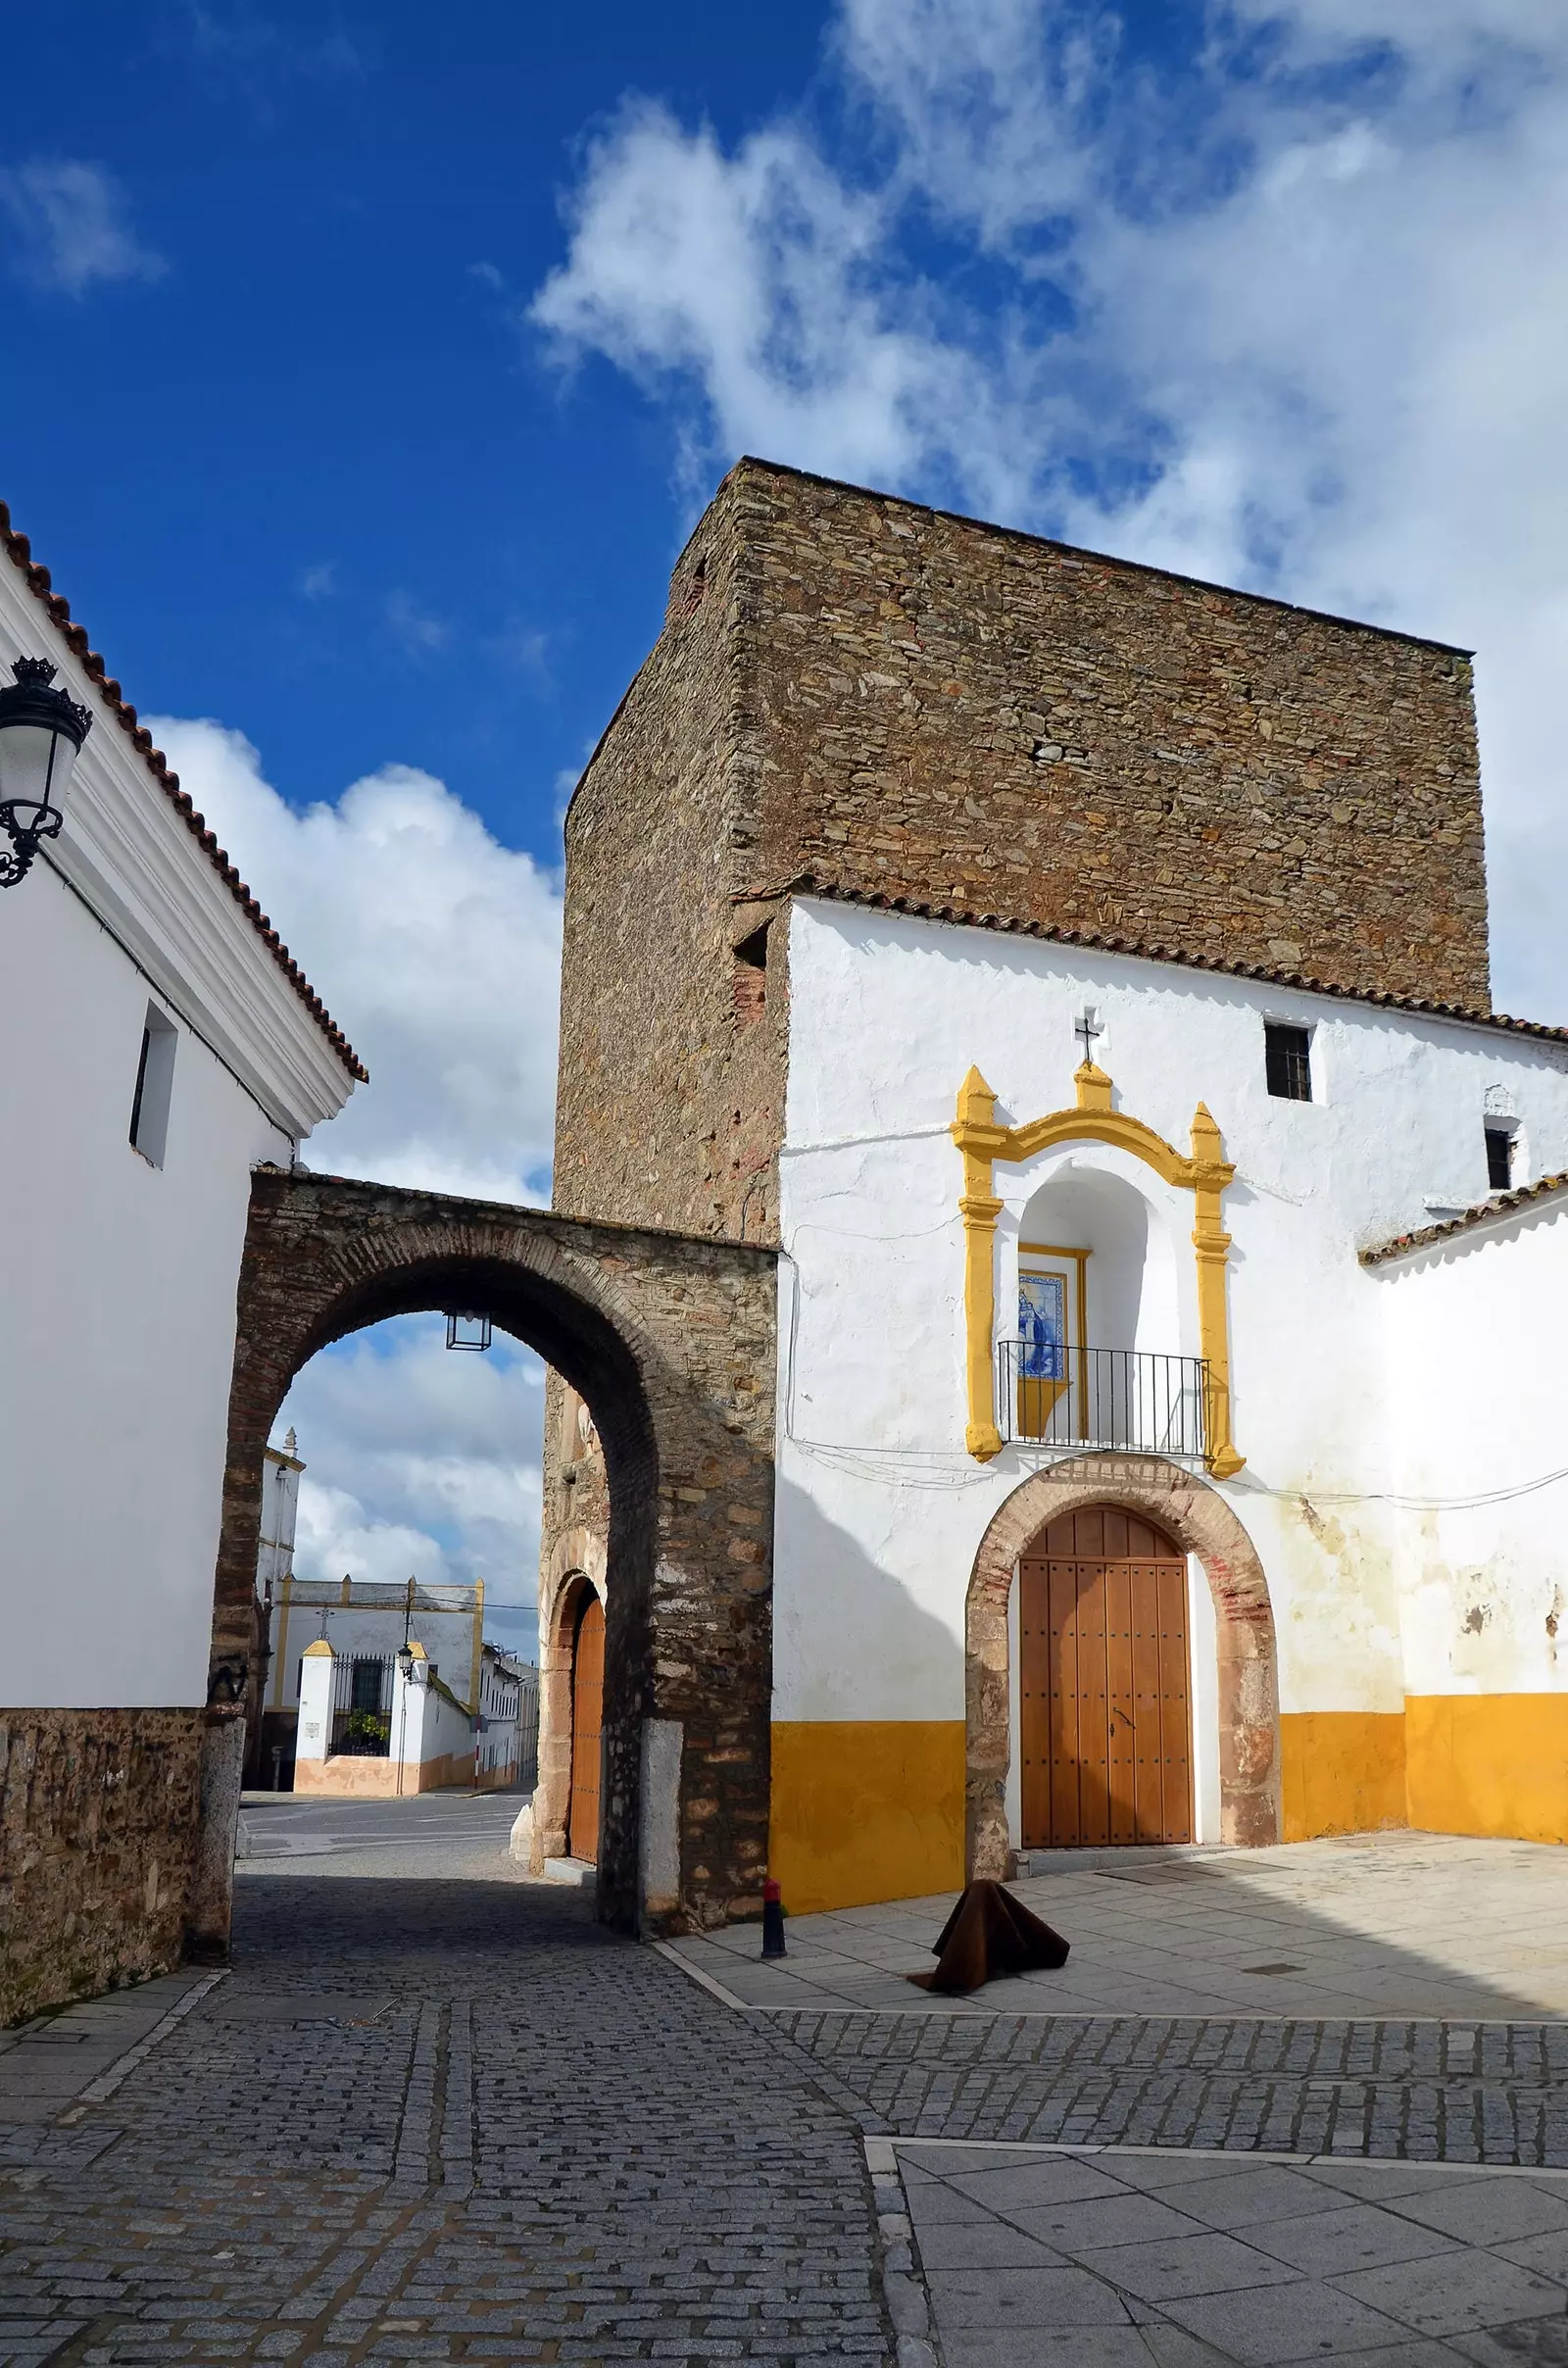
point(895, 702)
point(886, 702)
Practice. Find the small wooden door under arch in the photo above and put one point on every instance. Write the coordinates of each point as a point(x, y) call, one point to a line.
point(1104, 1684)
point(587, 1720)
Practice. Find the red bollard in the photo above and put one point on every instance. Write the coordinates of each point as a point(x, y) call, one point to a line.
point(773, 1922)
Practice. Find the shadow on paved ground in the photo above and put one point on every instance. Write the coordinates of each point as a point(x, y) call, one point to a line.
point(1400, 1925)
point(443, 2120)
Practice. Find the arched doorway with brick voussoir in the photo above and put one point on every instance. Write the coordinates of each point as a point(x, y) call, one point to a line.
point(670, 1341)
point(1097, 1546)
point(587, 1728)
point(567, 1802)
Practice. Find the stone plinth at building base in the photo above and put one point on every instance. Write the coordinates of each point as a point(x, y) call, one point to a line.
point(99, 1819)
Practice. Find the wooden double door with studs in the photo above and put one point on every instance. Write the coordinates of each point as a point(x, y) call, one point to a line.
point(1103, 1683)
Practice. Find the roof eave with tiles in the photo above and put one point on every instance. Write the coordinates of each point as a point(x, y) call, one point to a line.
point(1484, 1213)
point(75, 636)
point(1095, 941)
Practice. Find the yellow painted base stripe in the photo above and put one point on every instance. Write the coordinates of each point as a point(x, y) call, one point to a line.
point(1489, 1763)
point(1342, 1772)
point(864, 1810)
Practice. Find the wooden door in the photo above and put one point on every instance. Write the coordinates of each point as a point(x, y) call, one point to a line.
point(1106, 1716)
point(587, 1717)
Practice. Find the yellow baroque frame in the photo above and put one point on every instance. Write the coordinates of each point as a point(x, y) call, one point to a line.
point(1204, 1174)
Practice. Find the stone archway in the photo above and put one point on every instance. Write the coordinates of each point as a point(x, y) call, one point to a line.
point(1192, 1512)
point(670, 1341)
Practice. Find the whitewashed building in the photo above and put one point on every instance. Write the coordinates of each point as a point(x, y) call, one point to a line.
point(375, 1689)
point(1280, 1275)
point(161, 1044)
point(1081, 974)
point(509, 1720)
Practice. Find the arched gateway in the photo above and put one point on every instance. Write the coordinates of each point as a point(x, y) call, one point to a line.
point(1171, 1508)
point(668, 1339)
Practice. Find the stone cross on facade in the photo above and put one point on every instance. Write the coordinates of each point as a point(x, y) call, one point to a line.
point(1087, 1029)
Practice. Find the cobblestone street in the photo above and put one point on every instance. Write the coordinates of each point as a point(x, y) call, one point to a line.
point(443, 2121)
point(435, 2113)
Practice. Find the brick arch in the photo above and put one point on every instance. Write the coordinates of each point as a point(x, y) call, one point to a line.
point(1198, 1517)
point(670, 1341)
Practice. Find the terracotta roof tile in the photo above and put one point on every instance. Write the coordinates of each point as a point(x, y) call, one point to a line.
point(1095, 941)
point(1501, 1204)
point(76, 638)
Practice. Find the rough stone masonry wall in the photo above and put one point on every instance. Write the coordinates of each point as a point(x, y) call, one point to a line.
point(946, 711)
point(98, 1818)
point(672, 1047)
point(670, 1341)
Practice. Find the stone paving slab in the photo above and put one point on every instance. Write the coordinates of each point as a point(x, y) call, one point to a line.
point(1103, 2258)
point(1379, 1926)
point(45, 2062)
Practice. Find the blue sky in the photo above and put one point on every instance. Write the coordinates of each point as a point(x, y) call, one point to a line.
point(366, 371)
point(300, 464)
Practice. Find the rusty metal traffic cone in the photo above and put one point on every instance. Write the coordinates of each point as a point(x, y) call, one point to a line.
point(773, 1922)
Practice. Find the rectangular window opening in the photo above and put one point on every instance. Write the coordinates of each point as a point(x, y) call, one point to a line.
point(751, 975)
point(155, 1084)
point(1288, 1061)
point(366, 1683)
point(1499, 1157)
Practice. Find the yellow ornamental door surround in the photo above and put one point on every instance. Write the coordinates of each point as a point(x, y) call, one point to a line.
point(1204, 1174)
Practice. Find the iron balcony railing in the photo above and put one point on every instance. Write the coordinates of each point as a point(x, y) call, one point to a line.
point(1119, 1398)
point(362, 1705)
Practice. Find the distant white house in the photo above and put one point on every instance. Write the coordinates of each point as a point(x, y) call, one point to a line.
point(509, 1720)
point(346, 1713)
point(163, 1045)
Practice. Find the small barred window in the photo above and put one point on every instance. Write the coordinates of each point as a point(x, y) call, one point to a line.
point(1288, 1061)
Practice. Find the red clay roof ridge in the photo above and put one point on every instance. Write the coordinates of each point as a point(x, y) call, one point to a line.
point(75, 636)
point(1501, 1204)
point(807, 883)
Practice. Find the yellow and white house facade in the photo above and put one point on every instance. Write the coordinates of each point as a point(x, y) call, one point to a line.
point(1278, 1275)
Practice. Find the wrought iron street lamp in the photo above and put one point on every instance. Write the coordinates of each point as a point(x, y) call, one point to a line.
point(41, 731)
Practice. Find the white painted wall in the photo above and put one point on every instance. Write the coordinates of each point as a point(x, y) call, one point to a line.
point(118, 1343)
point(880, 1511)
point(314, 1737)
point(118, 1283)
point(1474, 1330)
point(438, 1729)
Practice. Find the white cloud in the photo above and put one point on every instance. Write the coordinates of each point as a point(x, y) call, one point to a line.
point(435, 948)
point(417, 631)
point(753, 275)
point(1290, 311)
point(68, 226)
point(421, 1463)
